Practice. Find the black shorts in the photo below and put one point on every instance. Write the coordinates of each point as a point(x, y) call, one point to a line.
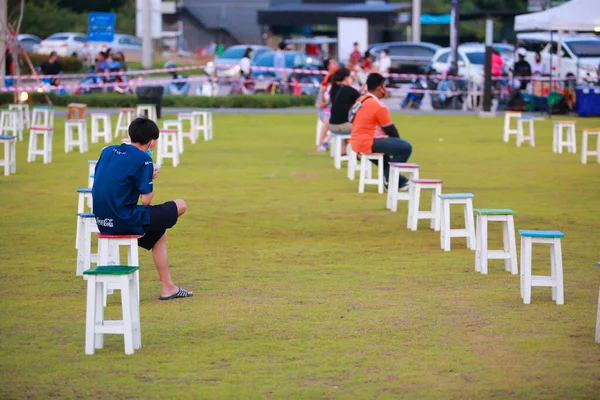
point(162, 217)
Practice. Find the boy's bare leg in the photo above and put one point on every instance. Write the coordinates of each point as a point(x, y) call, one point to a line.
point(161, 259)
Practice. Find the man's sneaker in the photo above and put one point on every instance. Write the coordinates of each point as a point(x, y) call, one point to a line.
point(385, 183)
point(403, 186)
point(321, 149)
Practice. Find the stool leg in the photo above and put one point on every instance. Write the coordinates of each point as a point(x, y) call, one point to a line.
point(337, 151)
point(526, 270)
point(31, 149)
point(470, 225)
point(446, 226)
point(558, 267)
point(584, 146)
point(49, 149)
point(433, 224)
point(598, 321)
point(126, 305)
point(512, 245)
point(99, 314)
point(413, 221)
point(133, 260)
point(484, 244)
point(554, 138)
point(362, 174)
point(135, 314)
point(393, 190)
point(519, 133)
point(478, 244)
point(90, 315)
point(531, 134)
point(175, 148)
point(380, 175)
point(438, 207)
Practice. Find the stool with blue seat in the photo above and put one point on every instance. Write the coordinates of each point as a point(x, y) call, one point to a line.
point(119, 277)
point(86, 227)
point(446, 233)
point(91, 172)
point(521, 137)
point(42, 116)
point(84, 199)
point(338, 146)
point(555, 280)
point(10, 154)
point(482, 253)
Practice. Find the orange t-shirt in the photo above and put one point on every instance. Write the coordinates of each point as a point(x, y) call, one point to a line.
point(367, 123)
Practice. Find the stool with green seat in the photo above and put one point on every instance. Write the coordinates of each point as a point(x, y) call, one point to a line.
point(120, 277)
point(555, 280)
point(482, 253)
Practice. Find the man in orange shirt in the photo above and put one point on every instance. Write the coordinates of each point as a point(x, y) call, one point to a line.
point(373, 130)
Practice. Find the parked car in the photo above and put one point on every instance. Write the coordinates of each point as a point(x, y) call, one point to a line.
point(406, 57)
point(293, 59)
point(65, 44)
point(227, 64)
point(121, 42)
point(30, 43)
point(580, 55)
point(471, 58)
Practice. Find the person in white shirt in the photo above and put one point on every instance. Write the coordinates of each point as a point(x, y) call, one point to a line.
point(539, 68)
point(384, 62)
point(245, 69)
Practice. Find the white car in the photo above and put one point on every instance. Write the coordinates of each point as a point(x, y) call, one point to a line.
point(30, 43)
point(65, 44)
point(470, 60)
point(121, 42)
point(580, 53)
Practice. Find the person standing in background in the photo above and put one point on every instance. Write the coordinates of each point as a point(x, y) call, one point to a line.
point(384, 62)
point(279, 62)
point(355, 57)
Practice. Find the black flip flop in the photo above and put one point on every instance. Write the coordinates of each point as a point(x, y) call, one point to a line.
point(180, 294)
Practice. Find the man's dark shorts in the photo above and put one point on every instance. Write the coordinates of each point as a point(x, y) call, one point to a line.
point(162, 217)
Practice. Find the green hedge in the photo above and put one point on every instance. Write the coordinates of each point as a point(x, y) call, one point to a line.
point(68, 64)
point(116, 100)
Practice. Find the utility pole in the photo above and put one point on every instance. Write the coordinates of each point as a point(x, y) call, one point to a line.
point(3, 39)
point(487, 83)
point(454, 18)
point(147, 33)
point(416, 21)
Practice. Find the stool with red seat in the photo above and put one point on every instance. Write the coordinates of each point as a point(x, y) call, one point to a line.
point(126, 115)
point(108, 250)
point(414, 213)
point(366, 172)
point(394, 195)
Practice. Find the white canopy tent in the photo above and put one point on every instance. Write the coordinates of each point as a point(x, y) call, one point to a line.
point(576, 15)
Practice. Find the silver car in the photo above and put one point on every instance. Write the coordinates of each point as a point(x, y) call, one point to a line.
point(30, 43)
point(121, 42)
point(228, 64)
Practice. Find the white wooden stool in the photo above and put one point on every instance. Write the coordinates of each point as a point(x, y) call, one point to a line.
point(147, 110)
point(555, 280)
point(121, 278)
point(168, 147)
point(203, 122)
point(78, 139)
point(395, 195)
point(353, 164)
point(91, 172)
point(598, 316)
point(571, 141)
point(126, 115)
point(85, 257)
point(414, 212)
point(319, 129)
point(338, 146)
point(106, 131)
point(508, 115)
point(366, 171)
point(192, 134)
point(9, 162)
point(9, 124)
point(521, 137)
point(178, 126)
point(84, 206)
point(466, 199)
point(23, 109)
point(482, 253)
point(108, 250)
point(47, 134)
point(42, 116)
point(584, 145)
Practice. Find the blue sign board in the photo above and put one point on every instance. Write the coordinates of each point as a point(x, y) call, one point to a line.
point(101, 26)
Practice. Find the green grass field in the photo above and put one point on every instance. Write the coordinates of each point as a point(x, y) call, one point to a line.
point(305, 288)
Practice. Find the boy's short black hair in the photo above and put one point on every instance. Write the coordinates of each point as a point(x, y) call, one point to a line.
point(374, 80)
point(143, 130)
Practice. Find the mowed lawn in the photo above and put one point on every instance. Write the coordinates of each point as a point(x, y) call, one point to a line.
point(305, 288)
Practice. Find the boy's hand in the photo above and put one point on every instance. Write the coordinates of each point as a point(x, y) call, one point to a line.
point(156, 171)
